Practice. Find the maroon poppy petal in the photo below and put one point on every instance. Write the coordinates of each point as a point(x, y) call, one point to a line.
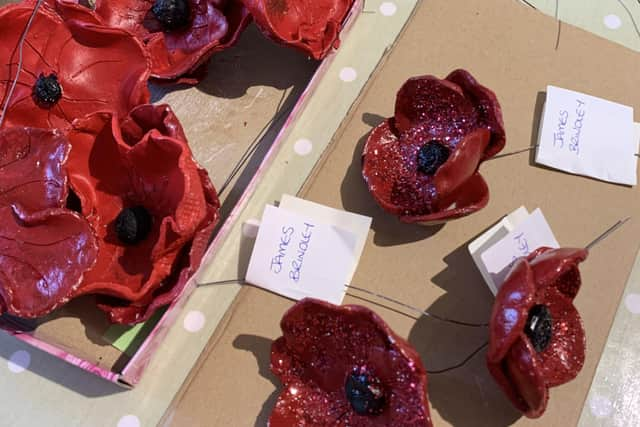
point(558, 268)
point(323, 344)
point(465, 200)
point(437, 109)
point(511, 310)
point(564, 357)
point(31, 168)
point(523, 369)
point(43, 256)
point(488, 107)
point(312, 26)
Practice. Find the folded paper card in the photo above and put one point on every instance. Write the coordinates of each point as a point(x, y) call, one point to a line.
point(307, 250)
point(516, 235)
point(589, 136)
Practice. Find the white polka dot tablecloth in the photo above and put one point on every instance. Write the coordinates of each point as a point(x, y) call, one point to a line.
point(40, 390)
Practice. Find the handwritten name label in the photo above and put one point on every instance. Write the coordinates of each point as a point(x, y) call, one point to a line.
point(301, 252)
point(590, 136)
point(525, 237)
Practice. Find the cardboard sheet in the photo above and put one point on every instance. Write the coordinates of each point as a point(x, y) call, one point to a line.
point(517, 52)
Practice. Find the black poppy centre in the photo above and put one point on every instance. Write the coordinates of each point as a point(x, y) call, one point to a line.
point(133, 225)
point(431, 156)
point(365, 393)
point(172, 14)
point(539, 327)
point(47, 90)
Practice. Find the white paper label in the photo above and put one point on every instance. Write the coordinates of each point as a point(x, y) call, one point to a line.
point(528, 235)
point(304, 253)
point(589, 136)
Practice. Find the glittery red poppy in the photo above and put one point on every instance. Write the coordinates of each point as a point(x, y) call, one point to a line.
point(178, 50)
point(44, 249)
point(69, 69)
point(422, 165)
point(312, 26)
point(141, 170)
point(343, 366)
point(537, 340)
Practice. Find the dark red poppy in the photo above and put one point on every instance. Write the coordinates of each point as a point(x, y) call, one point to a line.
point(343, 366)
point(44, 249)
point(180, 35)
point(312, 26)
point(70, 69)
point(144, 195)
point(537, 339)
point(422, 164)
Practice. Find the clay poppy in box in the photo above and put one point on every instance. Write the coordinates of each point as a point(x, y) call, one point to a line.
point(342, 365)
point(312, 26)
point(180, 35)
point(147, 200)
point(537, 339)
point(69, 69)
point(422, 164)
point(44, 248)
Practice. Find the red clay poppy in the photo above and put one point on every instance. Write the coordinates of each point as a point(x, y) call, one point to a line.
point(143, 193)
point(44, 249)
point(343, 366)
point(70, 69)
point(422, 164)
point(537, 339)
point(312, 26)
point(180, 35)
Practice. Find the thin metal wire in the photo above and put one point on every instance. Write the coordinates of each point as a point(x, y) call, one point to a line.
point(417, 310)
point(514, 152)
point(20, 47)
point(607, 233)
point(451, 368)
point(251, 149)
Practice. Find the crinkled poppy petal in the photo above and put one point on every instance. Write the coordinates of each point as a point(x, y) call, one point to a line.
point(312, 26)
point(523, 372)
point(564, 357)
point(158, 173)
point(488, 107)
point(43, 257)
point(321, 346)
point(31, 168)
point(434, 109)
point(96, 67)
point(147, 117)
point(558, 268)
point(124, 312)
point(511, 310)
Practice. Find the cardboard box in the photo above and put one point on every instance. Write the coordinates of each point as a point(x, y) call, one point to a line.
point(517, 52)
point(254, 90)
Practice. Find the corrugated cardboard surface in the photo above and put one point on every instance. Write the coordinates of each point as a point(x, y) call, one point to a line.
point(516, 51)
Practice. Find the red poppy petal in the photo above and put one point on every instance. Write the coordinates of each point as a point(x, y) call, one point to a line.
point(141, 311)
point(383, 165)
point(147, 117)
point(462, 163)
point(486, 102)
point(436, 109)
point(312, 26)
point(511, 310)
point(564, 357)
point(558, 268)
point(43, 257)
point(323, 343)
point(31, 171)
point(97, 68)
point(524, 371)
